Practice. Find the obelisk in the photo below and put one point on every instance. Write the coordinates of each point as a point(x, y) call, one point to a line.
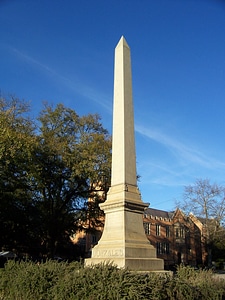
point(123, 241)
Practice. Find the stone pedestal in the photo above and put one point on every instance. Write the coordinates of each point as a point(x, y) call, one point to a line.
point(123, 241)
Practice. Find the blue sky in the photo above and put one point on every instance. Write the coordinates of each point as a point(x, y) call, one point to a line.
point(63, 52)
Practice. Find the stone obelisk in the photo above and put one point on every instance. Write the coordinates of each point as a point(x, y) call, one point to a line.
point(123, 241)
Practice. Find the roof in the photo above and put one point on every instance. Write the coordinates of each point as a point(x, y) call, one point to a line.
point(158, 213)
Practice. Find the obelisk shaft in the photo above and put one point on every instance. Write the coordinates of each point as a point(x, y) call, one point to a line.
point(123, 146)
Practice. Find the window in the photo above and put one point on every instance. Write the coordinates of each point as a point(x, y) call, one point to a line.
point(167, 248)
point(158, 248)
point(162, 248)
point(157, 229)
point(182, 232)
point(179, 231)
point(167, 231)
point(147, 228)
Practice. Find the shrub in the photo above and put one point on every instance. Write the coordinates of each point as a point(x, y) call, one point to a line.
point(191, 284)
point(62, 281)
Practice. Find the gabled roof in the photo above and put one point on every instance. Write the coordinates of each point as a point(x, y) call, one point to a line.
point(158, 213)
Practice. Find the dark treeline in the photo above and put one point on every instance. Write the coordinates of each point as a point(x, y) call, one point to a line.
point(47, 167)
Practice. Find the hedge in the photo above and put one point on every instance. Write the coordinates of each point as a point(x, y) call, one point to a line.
point(61, 281)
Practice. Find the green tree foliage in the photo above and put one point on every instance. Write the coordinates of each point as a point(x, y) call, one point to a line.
point(16, 146)
point(72, 153)
point(48, 168)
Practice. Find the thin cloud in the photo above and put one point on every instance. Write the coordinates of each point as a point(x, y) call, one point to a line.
point(163, 174)
point(31, 60)
point(75, 85)
point(181, 150)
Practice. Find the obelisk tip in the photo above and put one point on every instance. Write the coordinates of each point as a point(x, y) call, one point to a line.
point(122, 42)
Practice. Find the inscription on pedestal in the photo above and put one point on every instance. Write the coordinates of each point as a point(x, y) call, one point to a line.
point(110, 253)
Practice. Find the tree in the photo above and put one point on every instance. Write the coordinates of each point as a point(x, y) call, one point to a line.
point(207, 201)
point(47, 170)
point(17, 141)
point(72, 153)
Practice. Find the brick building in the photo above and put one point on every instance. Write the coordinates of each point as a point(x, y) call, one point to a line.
point(177, 238)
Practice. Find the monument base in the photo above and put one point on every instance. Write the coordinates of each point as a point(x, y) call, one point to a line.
point(134, 264)
point(123, 240)
point(135, 257)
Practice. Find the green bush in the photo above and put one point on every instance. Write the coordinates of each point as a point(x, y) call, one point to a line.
point(55, 281)
point(191, 284)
